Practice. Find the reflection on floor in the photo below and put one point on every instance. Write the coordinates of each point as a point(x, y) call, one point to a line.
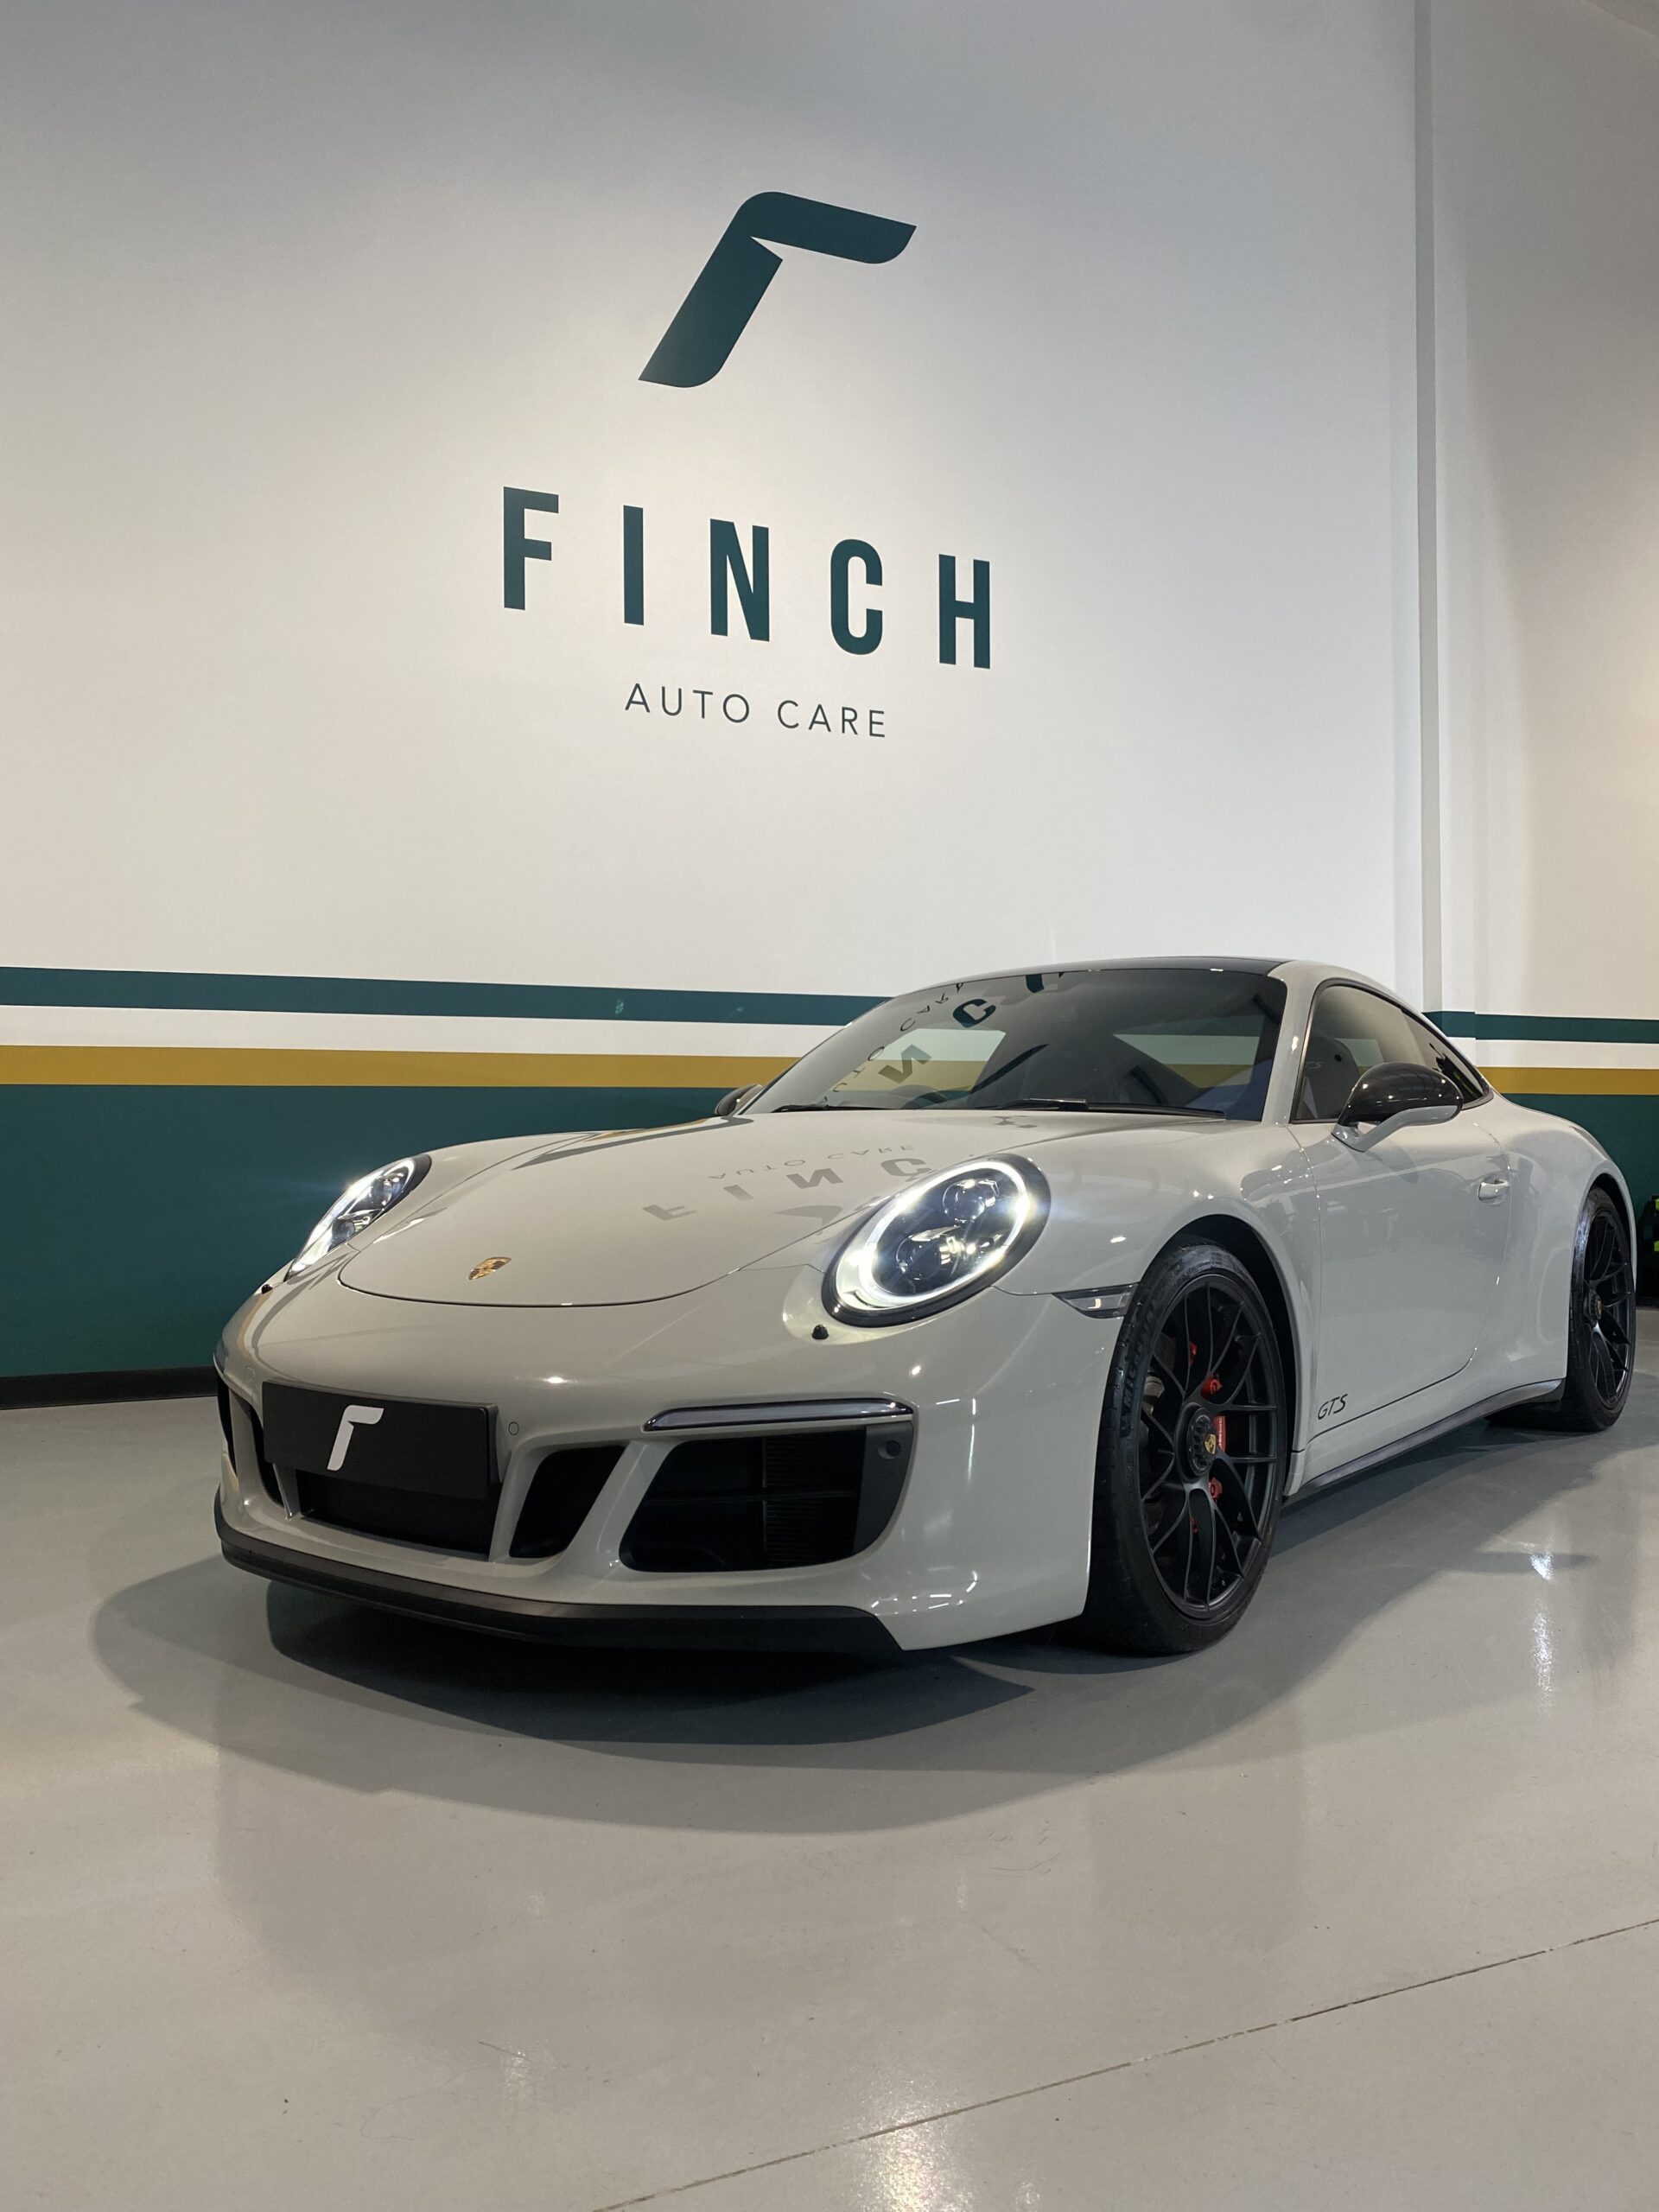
point(305, 1904)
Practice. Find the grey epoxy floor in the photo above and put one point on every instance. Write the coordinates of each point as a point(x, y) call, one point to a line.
point(300, 1904)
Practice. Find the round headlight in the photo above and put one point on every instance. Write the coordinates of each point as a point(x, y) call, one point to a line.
point(355, 1209)
point(937, 1242)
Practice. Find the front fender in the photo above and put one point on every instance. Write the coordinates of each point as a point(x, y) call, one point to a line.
point(1118, 1202)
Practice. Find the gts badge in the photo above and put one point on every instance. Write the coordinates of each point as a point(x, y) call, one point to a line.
point(1332, 1408)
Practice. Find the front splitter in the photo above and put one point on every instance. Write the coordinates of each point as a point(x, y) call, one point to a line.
point(842, 1628)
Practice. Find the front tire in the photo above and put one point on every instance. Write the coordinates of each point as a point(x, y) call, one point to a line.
point(1190, 1470)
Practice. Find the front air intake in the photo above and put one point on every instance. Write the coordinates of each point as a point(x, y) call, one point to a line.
point(563, 1493)
point(797, 1496)
point(244, 1439)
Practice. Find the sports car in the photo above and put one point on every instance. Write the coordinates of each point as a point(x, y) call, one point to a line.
point(1027, 1299)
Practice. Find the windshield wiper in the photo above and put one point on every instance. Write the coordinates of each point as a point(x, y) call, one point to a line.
point(1096, 1106)
point(993, 1106)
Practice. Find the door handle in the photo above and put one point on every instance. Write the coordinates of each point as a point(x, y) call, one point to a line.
point(1491, 1188)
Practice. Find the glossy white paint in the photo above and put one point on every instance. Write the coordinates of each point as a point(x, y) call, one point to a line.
point(990, 1536)
point(1423, 1278)
point(1410, 1259)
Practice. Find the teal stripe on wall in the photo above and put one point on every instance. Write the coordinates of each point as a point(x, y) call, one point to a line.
point(1545, 1028)
point(148, 1214)
point(165, 989)
point(171, 989)
point(1624, 1125)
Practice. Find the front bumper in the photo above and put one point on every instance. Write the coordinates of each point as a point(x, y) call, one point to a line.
point(989, 1537)
point(551, 1620)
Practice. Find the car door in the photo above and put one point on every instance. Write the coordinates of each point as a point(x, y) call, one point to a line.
point(1412, 1233)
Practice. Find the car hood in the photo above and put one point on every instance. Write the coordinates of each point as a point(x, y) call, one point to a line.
point(646, 1214)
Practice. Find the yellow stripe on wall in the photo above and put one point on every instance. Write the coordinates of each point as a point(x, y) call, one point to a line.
point(210, 1066)
point(1639, 1083)
point(278, 1066)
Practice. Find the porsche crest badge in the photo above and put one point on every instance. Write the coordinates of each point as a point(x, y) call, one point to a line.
point(488, 1268)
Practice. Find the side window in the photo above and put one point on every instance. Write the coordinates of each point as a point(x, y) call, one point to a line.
point(1354, 1030)
point(1437, 1053)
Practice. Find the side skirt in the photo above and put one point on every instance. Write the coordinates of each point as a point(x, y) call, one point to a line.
point(1482, 1411)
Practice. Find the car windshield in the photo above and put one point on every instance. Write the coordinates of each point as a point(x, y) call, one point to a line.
point(1186, 1040)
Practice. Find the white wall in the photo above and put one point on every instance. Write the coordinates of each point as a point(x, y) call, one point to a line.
point(299, 289)
point(1546, 166)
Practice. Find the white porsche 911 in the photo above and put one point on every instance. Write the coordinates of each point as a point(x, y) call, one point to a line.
point(1029, 1299)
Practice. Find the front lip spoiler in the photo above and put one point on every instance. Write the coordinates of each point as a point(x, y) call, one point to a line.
point(844, 1629)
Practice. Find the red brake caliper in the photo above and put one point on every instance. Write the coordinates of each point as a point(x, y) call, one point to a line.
point(1211, 1388)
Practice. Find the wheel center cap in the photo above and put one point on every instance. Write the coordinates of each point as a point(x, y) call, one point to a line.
point(1202, 1441)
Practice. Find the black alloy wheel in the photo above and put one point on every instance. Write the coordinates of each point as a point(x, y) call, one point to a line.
point(1600, 1322)
point(1606, 1303)
point(1193, 1450)
point(1210, 1443)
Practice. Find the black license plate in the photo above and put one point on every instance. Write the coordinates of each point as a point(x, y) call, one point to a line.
point(442, 1450)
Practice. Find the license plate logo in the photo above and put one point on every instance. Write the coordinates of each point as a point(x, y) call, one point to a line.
point(351, 1421)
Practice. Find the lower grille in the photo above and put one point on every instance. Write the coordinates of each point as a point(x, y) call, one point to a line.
point(563, 1492)
point(403, 1517)
point(792, 1497)
point(245, 1440)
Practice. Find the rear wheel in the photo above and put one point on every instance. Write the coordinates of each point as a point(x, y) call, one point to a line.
point(1600, 1322)
point(1190, 1470)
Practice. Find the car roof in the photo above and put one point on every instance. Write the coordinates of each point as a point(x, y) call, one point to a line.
point(1300, 979)
point(1215, 962)
point(1225, 960)
point(1220, 962)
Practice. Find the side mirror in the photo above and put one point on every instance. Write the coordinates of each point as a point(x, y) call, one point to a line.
point(735, 1101)
point(1398, 1095)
